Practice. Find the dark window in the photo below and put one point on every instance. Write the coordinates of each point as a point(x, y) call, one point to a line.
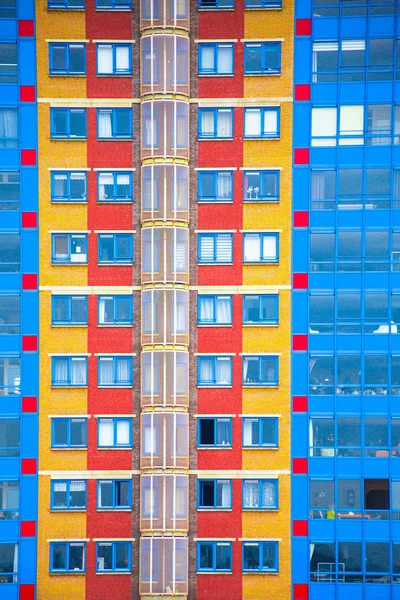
point(8, 59)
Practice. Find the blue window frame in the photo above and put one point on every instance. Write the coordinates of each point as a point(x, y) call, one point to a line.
point(10, 314)
point(214, 371)
point(263, 58)
point(215, 186)
point(215, 248)
point(260, 494)
point(214, 493)
point(260, 370)
point(116, 248)
point(9, 132)
point(114, 494)
point(68, 433)
point(214, 556)
point(115, 310)
point(261, 247)
point(10, 376)
point(69, 310)
point(214, 310)
point(115, 187)
point(69, 4)
point(216, 58)
point(68, 494)
point(261, 310)
point(68, 123)
point(260, 556)
point(67, 59)
point(114, 59)
point(9, 190)
point(263, 3)
point(9, 499)
point(67, 557)
point(10, 437)
point(215, 123)
point(114, 432)
point(69, 248)
point(220, 4)
point(114, 4)
point(114, 123)
point(69, 186)
point(8, 52)
point(69, 371)
point(261, 186)
point(260, 432)
point(115, 371)
point(113, 556)
point(262, 122)
point(214, 432)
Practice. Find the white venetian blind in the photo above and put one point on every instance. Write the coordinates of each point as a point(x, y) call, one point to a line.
point(224, 248)
point(252, 247)
point(269, 247)
point(207, 247)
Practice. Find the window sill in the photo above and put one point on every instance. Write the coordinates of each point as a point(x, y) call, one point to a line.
point(214, 387)
point(105, 75)
point(263, 8)
point(260, 385)
point(215, 264)
point(217, 8)
point(215, 201)
point(64, 9)
point(68, 139)
point(116, 139)
point(114, 573)
point(261, 263)
point(260, 447)
point(114, 201)
point(57, 573)
point(67, 75)
point(61, 325)
point(214, 509)
point(114, 509)
point(70, 387)
point(68, 202)
point(260, 137)
point(260, 572)
point(113, 448)
point(199, 75)
point(115, 264)
point(260, 324)
point(214, 573)
point(115, 387)
point(68, 510)
point(70, 264)
point(69, 449)
point(214, 448)
point(202, 325)
point(262, 74)
point(216, 139)
point(258, 509)
point(260, 201)
point(107, 326)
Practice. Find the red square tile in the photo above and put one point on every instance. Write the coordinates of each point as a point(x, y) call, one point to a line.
point(28, 529)
point(302, 91)
point(300, 528)
point(27, 93)
point(300, 218)
point(29, 404)
point(300, 466)
point(299, 404)
point(300, 342)
point(29, 281)
point(29, 343)
point(28, 158)
point(29, 219)
point(26, 591)
point(300, 591)
point(300, 281)
point(26, 28)
point(303, 26)
point(301, 156)
point(28, 466)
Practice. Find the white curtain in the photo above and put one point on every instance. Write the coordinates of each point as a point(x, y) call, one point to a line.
point(206, 309)
point(149, 501)
point(268, 493)
point(352, 120)
point(122, 433)
point(224, 186)
point(269, 247)
point(207, 122)
point(252, 122)
point(123, 368)
point(252, 247)
point(8, 127)
point(104, 59)
point(122, 58)
point(248, 432)
point(318, 185)
point(224, 124)
point(60, 185)
point(78, 371)
point(61, 370)
point(323, 125)
point(223, 432)
point(225, 489)
point(223, 370)
point(207, 57)
point(225, 59)
point(224, 310)
point(250, 494)
point(206, 370)
point(105, 125)
point(106, 376)
point(105, 180)
point(106, 432)
point(102, 310)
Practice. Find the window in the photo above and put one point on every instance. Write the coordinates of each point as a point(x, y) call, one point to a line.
point(116, 4)
point(321, 313)
point(71, 4)
point(261, 310)
point(8, 9)
point(67, 186)
point(322, 498)
point(9, 500)
point(8, 59)
point(379, 124)
point(114, 123)
point(68, 123)
point(215, 123)
point(114, 493)
point(263, 58)
point(113, 556)
point(325, 61)
point(68, 433)
point(10, 314)
point(10, 253)
point(260, 432)
point(214, 310)
point(260, 186)
point(260, 247)
point(114, 59)
point(69, 371)
point(9, 437)
point(216, 3)
point(8, 128)
point(260, 370)
point(214, 432)
point(115, 371)
point(214, 371)
point(68, 495)
point(260, 556)
point(10, 376)
point(351, 126)
point(115, 187)
point(323, 189)
point(215, 59)
point(261, 122)
point(8, 562)
point(214, 556)
point(69, 248)
point(263, 3)
point(215, 186)
point(67, 59)
point(9, 190)
point(260, 494)
point(69, 310)
point(215, 247)
point(214, 493)
point(115, 433)
point(66, 557)
point(115, 310)
point(116, 248)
